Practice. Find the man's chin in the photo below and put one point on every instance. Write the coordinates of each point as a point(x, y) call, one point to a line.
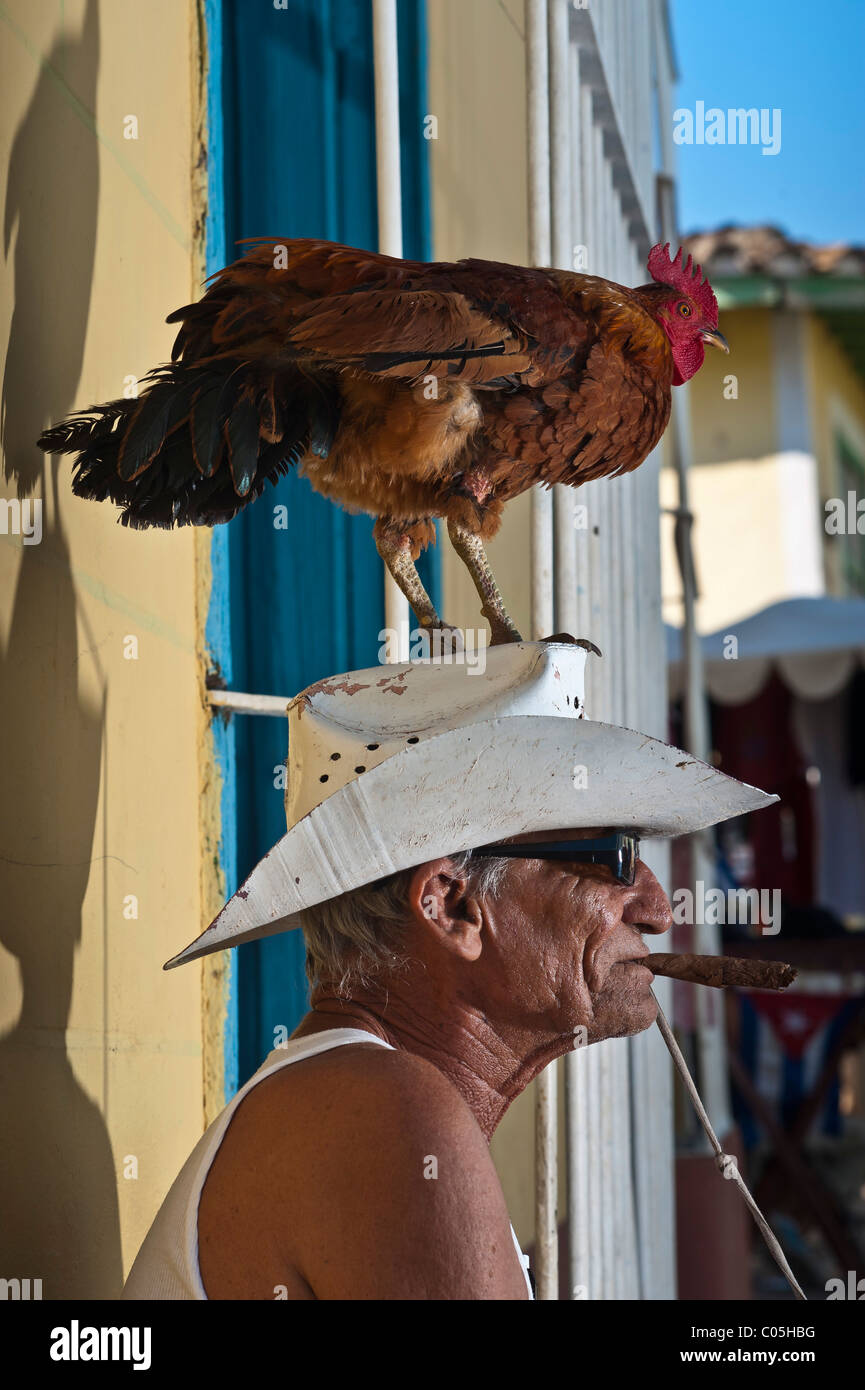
point(622, 1015)
point(645, 1014)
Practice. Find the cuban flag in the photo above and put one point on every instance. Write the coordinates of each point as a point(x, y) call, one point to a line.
point(784, 1042)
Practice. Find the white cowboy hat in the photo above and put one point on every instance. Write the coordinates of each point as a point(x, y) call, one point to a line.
point(398, 765)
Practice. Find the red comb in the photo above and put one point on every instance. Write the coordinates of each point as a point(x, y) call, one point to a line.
point(686, 278)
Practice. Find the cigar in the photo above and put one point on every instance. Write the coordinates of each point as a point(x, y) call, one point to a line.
point(723, 971)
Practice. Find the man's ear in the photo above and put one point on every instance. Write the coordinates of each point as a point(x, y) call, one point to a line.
point(439, 900)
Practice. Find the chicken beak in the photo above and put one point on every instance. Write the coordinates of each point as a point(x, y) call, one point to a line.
point(711, 335)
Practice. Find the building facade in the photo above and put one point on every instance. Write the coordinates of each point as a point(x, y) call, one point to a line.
point(141, 143)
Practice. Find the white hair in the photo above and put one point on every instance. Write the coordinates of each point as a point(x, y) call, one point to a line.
point(359, 936)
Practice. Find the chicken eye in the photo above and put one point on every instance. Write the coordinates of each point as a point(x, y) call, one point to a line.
point(685, 310)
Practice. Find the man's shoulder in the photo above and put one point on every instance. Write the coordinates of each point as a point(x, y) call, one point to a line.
point(347, 1085)
point(367, 1114)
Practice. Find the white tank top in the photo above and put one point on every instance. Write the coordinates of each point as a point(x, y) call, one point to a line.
point(166, 1266)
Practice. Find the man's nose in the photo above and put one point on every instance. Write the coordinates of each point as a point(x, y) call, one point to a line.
point(648, 909)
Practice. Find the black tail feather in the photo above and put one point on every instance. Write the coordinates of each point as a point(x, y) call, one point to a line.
point(199, 444)
point(164, 406)
point(81, 429)
point(204, 430)
point(241, 436)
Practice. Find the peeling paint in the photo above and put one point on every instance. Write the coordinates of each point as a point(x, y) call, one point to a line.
point(329, 687)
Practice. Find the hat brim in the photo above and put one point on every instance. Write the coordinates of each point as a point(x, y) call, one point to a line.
point(468, 787)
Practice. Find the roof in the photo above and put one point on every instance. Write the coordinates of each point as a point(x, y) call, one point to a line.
point(815, 645)
point(737, 251)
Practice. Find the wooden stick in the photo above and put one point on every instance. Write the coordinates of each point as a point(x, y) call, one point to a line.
point(722, 971)
point(726, 1163)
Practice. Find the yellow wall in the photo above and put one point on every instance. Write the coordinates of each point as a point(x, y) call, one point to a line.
point(478, 164)
point(838, 393)
point(479, 205)
point(744, 428)
point(738, 490)
point(101, 1052)
point(740, 557)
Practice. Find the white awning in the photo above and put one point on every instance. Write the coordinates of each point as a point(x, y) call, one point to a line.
point(814, 644)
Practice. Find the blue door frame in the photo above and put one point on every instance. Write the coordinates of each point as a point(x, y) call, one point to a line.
point(291, 138)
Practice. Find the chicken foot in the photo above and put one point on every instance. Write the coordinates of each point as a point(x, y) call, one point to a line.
point(471, 551)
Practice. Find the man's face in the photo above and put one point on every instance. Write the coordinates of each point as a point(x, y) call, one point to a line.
point(562, 942)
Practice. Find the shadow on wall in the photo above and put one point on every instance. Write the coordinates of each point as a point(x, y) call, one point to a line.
point(58, 1187)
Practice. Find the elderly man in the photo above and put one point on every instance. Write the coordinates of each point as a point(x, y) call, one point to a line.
point(355, 1163)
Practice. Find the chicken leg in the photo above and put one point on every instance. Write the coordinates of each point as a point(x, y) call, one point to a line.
point(394, 545)
point(471, 551)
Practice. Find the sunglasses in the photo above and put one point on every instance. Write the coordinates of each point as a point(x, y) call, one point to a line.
point(618, 852)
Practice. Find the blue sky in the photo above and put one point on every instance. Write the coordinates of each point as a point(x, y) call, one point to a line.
point(806, 57)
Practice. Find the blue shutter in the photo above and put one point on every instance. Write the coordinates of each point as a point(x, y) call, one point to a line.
point(298, 143)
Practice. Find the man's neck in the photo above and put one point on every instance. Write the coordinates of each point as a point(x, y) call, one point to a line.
point(490, 1067)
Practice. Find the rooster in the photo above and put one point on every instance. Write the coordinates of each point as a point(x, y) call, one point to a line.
point(406, 390)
